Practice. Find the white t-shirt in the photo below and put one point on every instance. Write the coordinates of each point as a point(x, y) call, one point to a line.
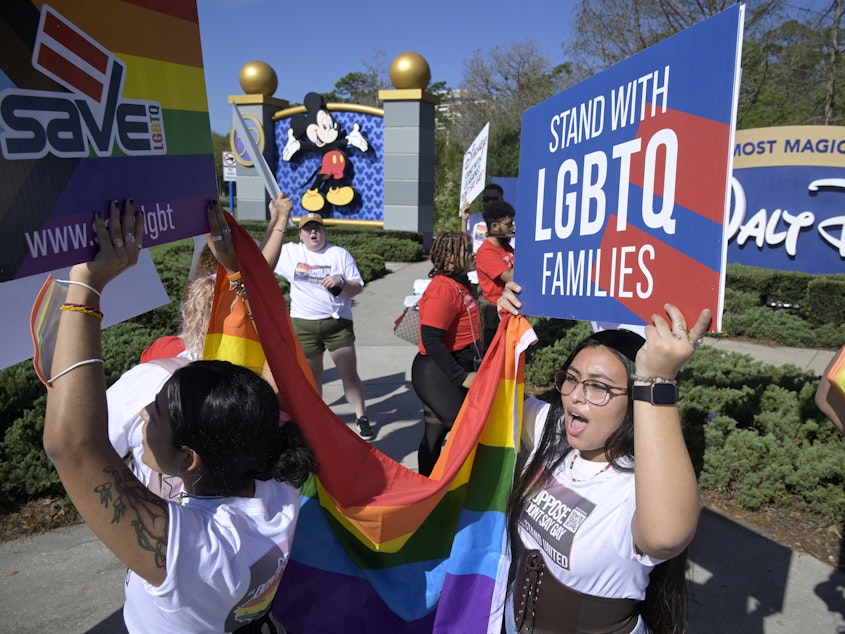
point(583, 527)
point(305, 270)
point(225, 559)
point(134, 390)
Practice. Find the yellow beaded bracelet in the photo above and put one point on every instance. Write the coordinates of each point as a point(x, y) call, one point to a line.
point(84, 309)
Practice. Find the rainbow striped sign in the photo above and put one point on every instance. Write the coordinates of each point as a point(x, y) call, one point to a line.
point(89, 114)
point(379, 548)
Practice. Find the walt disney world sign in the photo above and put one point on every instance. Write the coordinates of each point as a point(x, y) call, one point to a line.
point(788, 199)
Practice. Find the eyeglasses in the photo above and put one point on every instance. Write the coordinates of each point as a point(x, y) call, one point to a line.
point(490, 199)
point(311, 227)
point(595, 392)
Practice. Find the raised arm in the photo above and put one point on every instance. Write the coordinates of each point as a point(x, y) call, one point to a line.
point(130, 520)
point(274, 238)
point(665, 483)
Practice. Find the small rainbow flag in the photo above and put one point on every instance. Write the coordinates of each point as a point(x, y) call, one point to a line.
point(380, 548)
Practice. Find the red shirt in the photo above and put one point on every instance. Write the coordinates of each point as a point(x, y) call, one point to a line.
point(163, 348)
point(449, 306)
point(490, 262)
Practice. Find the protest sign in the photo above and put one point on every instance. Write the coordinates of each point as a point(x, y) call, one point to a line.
point(475, 168)
point(89, 115)
point(623, 183)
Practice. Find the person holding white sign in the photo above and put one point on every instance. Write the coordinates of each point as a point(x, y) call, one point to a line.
point(494, 262)
point(605, 532)
point(473, 224)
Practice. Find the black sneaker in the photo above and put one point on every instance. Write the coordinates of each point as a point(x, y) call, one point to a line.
point(364, 428)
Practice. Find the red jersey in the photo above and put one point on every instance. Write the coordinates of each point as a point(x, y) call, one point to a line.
point(490, 262)
point(448, 305)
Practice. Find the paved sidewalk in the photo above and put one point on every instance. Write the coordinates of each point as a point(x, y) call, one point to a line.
point(741, 582)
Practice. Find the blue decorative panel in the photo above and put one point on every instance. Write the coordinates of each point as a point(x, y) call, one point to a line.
point(365, 173)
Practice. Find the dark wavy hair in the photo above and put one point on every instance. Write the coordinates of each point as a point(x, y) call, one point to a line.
point(230, 416)
point(665, 606)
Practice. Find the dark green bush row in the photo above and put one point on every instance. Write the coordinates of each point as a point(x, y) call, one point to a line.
point(790, 308)
point(25, 471)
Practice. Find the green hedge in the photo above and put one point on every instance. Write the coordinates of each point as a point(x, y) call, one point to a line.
point(789, 308)
point(25, 471)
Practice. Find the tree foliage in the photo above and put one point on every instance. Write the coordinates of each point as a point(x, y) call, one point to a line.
point(790, 62)
point(362, 87)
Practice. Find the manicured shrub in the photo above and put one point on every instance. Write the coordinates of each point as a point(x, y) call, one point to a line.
point(767, 323)
point(825, 302)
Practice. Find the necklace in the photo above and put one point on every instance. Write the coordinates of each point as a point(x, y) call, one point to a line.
point(575, 455)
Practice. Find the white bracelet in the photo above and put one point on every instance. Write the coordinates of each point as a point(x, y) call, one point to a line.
point(73, 367)
point(90, 288)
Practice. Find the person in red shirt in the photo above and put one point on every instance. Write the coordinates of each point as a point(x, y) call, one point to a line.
point(450, 346)
point(494, 262)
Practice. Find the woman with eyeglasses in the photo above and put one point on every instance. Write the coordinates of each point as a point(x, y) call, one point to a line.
point(606, 503)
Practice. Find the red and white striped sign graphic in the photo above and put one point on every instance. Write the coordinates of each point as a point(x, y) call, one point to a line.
point(65, 53)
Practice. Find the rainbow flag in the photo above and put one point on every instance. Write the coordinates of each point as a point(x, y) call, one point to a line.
point(99, 98)
point(380, 548)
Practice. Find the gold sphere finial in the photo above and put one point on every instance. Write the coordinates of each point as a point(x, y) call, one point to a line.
point(258, 78)
point(410, 70)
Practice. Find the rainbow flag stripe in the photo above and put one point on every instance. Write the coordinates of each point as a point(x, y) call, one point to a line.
point(379, 548)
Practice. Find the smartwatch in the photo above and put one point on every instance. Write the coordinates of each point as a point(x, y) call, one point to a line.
point(658, 393)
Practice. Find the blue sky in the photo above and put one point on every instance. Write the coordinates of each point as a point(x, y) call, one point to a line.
point(313, 44)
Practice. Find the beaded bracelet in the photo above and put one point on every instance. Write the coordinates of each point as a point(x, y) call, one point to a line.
point(82, 308)
point(652, 379)
point(238, 286)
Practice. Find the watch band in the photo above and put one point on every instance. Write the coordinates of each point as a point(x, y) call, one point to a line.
point(656, 393)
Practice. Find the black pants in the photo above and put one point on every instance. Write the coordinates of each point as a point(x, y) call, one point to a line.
point(443, 398)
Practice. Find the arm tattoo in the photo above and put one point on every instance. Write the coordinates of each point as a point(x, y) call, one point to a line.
point(129, 497)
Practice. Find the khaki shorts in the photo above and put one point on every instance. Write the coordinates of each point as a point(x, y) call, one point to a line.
point(317, 335)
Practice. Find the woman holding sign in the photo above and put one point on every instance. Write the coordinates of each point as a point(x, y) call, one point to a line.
point(598, 537)
point(213, 562)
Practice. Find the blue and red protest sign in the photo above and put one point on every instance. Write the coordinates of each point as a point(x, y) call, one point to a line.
point(624, 183)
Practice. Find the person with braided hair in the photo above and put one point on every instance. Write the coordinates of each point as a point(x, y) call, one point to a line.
point(450, 346)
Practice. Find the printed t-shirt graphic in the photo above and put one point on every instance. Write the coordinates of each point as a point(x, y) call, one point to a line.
point(312, 274)
point(553, 517)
